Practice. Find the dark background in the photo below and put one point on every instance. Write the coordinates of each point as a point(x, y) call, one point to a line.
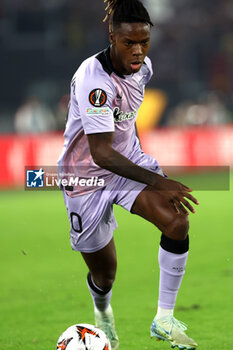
point(43, 42)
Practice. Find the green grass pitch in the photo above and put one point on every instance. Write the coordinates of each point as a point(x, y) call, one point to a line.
point(43, 282)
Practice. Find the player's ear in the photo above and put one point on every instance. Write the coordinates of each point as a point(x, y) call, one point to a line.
point(112, 38)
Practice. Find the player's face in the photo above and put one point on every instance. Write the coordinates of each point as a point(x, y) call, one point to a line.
point(129, 46)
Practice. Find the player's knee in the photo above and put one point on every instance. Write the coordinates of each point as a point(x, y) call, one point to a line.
point(178, 228)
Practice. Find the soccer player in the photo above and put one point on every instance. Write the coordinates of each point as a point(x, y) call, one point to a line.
point(101, 143)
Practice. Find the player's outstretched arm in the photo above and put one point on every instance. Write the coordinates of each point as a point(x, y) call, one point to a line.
point(106, 157)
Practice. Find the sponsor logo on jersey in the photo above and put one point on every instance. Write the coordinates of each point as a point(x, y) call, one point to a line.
point(98, 111)
point(120, 116)
point(97, 97)
point(119, 97)
point(35, 178)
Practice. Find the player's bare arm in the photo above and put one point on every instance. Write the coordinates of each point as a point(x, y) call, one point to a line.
point(106, 157)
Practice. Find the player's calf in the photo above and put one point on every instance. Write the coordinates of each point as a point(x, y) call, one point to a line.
point(104, 282)
point(101, 298)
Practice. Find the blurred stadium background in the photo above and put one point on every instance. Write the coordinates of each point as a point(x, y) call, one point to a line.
point(186, 118)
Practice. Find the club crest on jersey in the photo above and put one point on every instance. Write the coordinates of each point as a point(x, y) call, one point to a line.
point(120, 116)
point(98, 97)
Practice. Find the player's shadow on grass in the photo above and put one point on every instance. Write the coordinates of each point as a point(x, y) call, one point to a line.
point(188, 308)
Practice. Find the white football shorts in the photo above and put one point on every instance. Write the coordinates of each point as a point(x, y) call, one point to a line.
point(91, 217)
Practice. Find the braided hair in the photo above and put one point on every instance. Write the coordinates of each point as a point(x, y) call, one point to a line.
point(128, 11)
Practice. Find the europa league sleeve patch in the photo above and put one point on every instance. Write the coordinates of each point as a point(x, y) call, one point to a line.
point(97, 97)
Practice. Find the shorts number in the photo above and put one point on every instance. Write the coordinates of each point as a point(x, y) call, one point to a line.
point(76, 222)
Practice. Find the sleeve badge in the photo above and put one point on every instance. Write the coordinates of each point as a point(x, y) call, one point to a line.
point(97, 97)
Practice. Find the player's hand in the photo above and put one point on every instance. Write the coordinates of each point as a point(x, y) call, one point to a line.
point(176, 193)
